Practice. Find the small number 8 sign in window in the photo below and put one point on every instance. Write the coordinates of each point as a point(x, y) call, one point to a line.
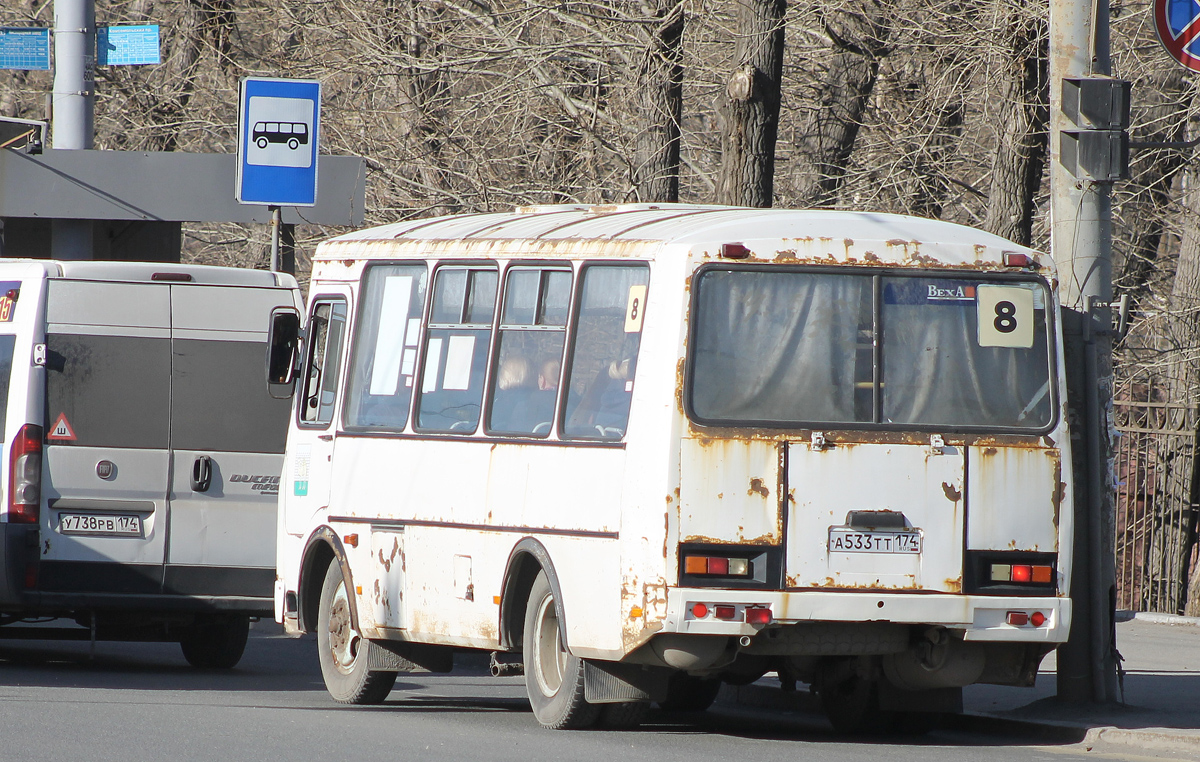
point(1005, 316)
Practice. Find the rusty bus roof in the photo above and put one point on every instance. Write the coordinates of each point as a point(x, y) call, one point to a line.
point(803, 235)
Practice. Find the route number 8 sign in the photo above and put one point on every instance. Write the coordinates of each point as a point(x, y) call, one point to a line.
point(1005, 316)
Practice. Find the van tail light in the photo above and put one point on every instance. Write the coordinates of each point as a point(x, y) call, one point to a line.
point(25, 476)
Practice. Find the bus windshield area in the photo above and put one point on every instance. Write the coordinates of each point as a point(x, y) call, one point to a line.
point(790, 348)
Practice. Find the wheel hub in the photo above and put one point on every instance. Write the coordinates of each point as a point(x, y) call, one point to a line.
point(343, 640)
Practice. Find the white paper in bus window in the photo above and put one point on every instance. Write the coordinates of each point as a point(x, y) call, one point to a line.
point(1005, 316)
point(459, 353)
point(433, 356)
point(409, 361)
point(389, 343)
point(414, 330)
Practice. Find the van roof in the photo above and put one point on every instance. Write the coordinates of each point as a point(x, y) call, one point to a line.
point(156, 271)
point(805, 235)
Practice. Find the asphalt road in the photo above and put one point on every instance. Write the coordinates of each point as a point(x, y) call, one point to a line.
point(133, 702)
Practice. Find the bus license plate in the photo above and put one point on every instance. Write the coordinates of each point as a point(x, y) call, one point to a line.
point(851, 541)
point(117, 526)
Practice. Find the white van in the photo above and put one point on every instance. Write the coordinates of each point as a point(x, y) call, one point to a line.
point(142, 451)
point(637, 451)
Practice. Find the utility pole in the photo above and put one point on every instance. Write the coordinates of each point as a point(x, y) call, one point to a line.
point(1088, 151)
point(73, 108)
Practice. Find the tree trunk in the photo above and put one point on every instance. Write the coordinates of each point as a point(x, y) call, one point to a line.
point(1021, 153)
point(660, 101)
point(827, 139)
point(750, 111)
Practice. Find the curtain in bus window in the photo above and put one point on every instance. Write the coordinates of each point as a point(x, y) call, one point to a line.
point(780, 347)
point(935, 371)
point(385, 354)
point(608, 332)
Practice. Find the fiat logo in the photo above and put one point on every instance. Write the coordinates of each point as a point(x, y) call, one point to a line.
point(106, 469)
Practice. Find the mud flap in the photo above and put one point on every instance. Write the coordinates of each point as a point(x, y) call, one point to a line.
point(607, 682)
point(399, 656)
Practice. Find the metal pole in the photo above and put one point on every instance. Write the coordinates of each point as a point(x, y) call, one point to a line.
point(73, 108)
point(276, 224)
point(1081, 244)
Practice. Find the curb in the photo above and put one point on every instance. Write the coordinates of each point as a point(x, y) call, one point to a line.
point(1155, 618)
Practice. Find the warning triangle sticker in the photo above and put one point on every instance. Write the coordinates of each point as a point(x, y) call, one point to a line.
point(62, 430)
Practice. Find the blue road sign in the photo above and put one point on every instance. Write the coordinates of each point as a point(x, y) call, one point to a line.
point(278, 127)
point(23, 47)
point(127, 45)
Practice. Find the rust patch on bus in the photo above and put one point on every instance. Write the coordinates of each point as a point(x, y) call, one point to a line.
point(953, 584)
point(758, 488)
point(952, 494)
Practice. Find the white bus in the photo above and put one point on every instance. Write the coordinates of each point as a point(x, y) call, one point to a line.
point(637, 451)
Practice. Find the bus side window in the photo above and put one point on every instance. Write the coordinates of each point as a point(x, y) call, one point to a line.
point(385, 348)
point(533, 329)
point(608, 332)
point(322, 366)
point(456, 349)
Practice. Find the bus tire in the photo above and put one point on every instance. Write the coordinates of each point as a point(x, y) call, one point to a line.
point(342, 652)
point(623, 715)
point(688, 693)
point(553, 677)
point(215, 642)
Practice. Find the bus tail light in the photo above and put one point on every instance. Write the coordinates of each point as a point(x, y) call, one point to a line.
point(717, 566)
point(758, 615)
point(724, 612)
point(1023, 573)
point(1016, 259)
point(1022, 618)
point(25, 476)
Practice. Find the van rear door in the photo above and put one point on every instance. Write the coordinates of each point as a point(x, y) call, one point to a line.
point(227, 440)
point(107, 431)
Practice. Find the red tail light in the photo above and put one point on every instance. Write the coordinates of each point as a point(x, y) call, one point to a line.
point(25, 476)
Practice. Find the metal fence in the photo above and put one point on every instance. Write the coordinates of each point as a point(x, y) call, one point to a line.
point(1156, 510)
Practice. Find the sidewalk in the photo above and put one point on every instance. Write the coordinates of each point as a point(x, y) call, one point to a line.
point(1161, 711)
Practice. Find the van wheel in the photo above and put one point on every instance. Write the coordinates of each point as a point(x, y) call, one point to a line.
point(553, 677)
point(688, 693)
point(215, 642)
point(342, 652)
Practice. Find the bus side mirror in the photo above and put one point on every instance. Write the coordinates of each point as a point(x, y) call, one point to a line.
point(283, 350)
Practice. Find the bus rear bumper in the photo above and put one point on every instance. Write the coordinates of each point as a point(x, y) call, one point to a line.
point(976, 617)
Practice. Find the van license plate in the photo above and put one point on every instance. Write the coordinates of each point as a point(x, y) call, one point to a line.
point(118, 526)
point(849, 541)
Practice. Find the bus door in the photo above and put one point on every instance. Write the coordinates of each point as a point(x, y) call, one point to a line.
point(107, 433)
point(875, 516)
point(227, 440)
point(306, 477)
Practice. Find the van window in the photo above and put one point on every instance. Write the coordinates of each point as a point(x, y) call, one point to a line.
point(322, 364)
point(385, 353)
point(529, 355)
point(456, 349)
point(219, 401)
point(608, 332)
point(115, 391)
point(6, 354)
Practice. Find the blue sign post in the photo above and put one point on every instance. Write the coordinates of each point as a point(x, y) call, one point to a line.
point(278, 128)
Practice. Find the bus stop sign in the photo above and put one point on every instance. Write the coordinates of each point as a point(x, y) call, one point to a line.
point(1177, 23)
point(278, 127)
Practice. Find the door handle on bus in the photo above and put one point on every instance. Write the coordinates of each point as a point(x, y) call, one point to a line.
point(202, 473)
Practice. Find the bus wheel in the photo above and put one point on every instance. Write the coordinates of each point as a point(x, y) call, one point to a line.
point(343, 653)
point(553, 677)
point(216, 642)
point(688, 693)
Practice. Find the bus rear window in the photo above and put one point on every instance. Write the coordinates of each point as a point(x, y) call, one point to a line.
point(789, 348)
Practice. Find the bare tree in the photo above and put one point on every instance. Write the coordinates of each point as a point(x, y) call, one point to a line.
point(660, 89)
point(750, 110)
